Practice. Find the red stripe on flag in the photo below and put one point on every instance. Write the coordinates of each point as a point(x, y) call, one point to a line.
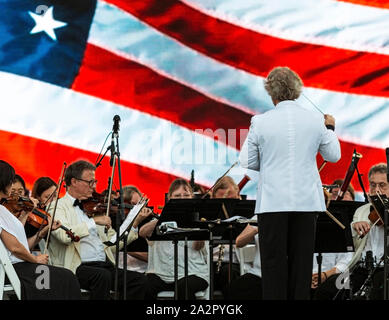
point(319, 66)
point(371, 3)
point(33, 158)
point(133, 85)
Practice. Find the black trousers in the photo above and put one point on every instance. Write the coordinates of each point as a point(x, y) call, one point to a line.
point(156, 285)
point(61, 283)
point(99, 278)
point(246, 287)
point(286, 242)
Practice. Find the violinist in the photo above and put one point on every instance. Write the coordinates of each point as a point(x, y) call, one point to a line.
point(228, 189)
point(366, 238)
point(44, 190)
point(90, 259)
point(160, 270)
point(19, 186)
point(137, 251)
point(62, 283)
point(282, 145)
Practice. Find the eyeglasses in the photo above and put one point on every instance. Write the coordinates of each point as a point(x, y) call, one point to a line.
point(381, 185)
point(91, 183)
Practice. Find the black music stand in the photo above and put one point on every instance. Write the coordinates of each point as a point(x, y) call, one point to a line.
point(330, 237)
point(204, 220)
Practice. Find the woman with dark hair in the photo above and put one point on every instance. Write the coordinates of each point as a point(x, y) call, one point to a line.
point(160, 270)
point(19, 186)
point(54, 282)
point(44, 190)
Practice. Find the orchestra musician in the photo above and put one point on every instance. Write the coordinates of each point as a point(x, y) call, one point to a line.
point(367, 236)
point(61, 284)
point(90, 259)
point(249, 285)
point(44, 190)
point(19, 186)
point(349, 195)
point(282, 145)
point(160, 270)
point(225, 188)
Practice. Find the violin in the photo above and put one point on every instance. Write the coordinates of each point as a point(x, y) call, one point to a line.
point(37, 217)
point(97, 205)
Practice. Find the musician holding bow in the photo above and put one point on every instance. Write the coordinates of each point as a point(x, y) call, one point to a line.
point(282, 145)
point(90, 259)
point(61, 284)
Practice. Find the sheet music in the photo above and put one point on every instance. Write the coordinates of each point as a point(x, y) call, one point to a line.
point(129, 220)
point(240, 219)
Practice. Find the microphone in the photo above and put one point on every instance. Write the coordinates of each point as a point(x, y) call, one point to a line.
point(116, 120)
point(387, 164)
point(115, 129)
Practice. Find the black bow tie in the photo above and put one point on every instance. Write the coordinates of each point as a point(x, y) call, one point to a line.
point(78, 203)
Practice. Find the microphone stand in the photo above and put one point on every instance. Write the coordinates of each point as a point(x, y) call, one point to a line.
point(115, 159)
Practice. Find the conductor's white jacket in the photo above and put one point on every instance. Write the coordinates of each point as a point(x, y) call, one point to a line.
point(282, 145)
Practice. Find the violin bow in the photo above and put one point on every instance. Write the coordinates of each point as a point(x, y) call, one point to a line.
point(218, 180)
point(55, 206)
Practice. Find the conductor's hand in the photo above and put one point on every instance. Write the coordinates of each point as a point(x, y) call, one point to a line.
point(329, 120)
point(42, 258)
point(103, 221)
point(361, 227)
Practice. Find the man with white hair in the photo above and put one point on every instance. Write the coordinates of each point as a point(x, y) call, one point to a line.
point(282, 145)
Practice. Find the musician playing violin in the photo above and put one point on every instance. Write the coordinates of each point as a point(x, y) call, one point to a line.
point(90, 259)
point(61, 284)
point(367, 237)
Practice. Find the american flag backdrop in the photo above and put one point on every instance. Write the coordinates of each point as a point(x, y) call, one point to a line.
point(185, 77)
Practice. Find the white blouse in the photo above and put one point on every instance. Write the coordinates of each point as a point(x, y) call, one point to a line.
point(14, 226)
point(161, 260)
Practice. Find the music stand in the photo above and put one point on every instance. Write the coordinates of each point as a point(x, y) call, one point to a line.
point(330, 237)
point(206, 215)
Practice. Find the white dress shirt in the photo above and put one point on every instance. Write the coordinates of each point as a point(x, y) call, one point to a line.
point(92, 249)
point(282, 145)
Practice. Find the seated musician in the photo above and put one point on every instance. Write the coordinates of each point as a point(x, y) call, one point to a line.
point(225, 188)
point(61, 284)
point(372, 240)
point(332, 263)
point(160, 271)
point(44, 190)
point(349, 195)
point(90, 259)
point(137, 255)
point(249, 285)
point(19, 186)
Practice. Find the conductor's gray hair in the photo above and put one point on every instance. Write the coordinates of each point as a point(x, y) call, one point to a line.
point(283, 83)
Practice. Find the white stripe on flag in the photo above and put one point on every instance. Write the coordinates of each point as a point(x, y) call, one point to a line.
point(326, 22)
